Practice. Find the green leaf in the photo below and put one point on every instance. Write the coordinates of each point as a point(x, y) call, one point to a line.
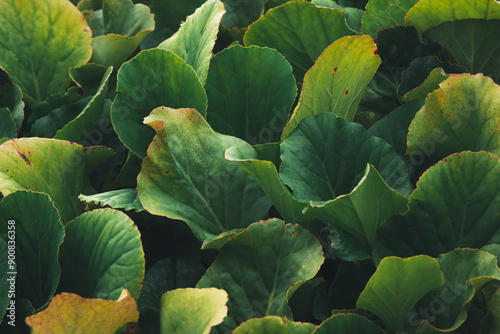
point(169, 14)
point(300, 31)
point(192, 310)
point(494, 311)
point(335, 84)
point(326, 157)
point(101, 255)
point(55, 167)
point(461, 115)
point(266, 174)
point(220, 240)
point(126, 199)
point(37, 232)
point(250, 93)
point(152, 79)
point(47, 38)
point(465, 271)
point(492, 249)
point(397, 285)
point(166, 275)
point(5, 279)
point(242, 13)
point(354, 15)
point(430, 13)
point(274, 325)
point(118, 28)
point(393, 128)
point(419, 70)
point(364, 210)
point(471, 43)
point(11, 98)
point(259, 266)
point(196, 38)
point(455, 205)
point(8, 127)
point(212, 195)
point(70, 313)
point(381, 14)
point(429, 85)
point(78, 129)
point(348, 324)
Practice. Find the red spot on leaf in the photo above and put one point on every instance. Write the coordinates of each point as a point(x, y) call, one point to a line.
point(335, 69)
point(346, 92)
point(375, 52)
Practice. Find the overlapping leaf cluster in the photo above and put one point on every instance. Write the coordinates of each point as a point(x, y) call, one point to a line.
point(264, 166)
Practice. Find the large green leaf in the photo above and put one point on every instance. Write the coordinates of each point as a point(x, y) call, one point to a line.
point(242, 13)
point(465, 271)
point(126, 199)
point(37, 232)
point(193, 311)
point(348, 324)
point(152, 79)
point(196, 38)
point(77, 129)
point(430, 13)
point(70, 313)
point(55, 167)
point(397, 285)
point(118, 28)
point(471, 43)
point(300, 31)
point(463, 114)
point(169, 14)
point(259, 266)
point(266, 174)
point(41, 41)
point(250, 92)
point(364, 210)
point(326, 157)
point(335, 84)
point(101, 255)
point(274, 325)
point(6, 279)
point(455, 205)
point(381, 14)
point(212, 195)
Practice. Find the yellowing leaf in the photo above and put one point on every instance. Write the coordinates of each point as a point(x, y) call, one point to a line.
point(193, 311)
point(70, 313)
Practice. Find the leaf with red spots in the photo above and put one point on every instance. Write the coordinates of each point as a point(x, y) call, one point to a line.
point(354, 63)
point(55, 167)
point(300, 31)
